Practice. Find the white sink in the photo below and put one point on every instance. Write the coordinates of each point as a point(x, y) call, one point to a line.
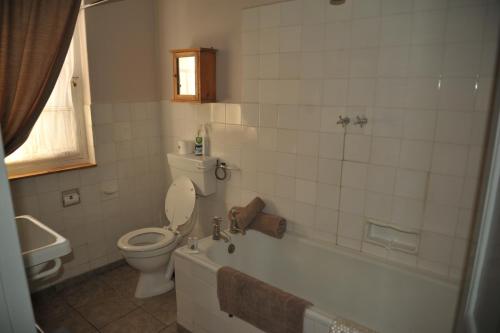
point(40, 245)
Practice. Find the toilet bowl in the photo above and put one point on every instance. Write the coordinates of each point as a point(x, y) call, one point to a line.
point(149, 249)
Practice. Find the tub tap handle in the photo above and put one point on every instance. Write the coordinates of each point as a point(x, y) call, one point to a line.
point(343, 121)
point(361, 121)
point(216, 221)
point(233, 225)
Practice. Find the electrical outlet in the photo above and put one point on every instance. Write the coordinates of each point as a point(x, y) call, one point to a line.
point(70, 197)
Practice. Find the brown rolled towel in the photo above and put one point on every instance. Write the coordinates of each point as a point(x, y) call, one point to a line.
point(272, 225)
point(245, 215)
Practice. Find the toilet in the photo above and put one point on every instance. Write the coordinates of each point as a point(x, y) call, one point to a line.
point(149, 249)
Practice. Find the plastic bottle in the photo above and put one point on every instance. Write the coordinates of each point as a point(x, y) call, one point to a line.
point(198, 144)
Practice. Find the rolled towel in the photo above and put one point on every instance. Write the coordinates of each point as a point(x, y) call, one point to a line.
point(272, 225)
point(245, 215)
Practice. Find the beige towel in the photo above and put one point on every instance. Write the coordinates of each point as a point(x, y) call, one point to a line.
point(266, 307)
point(245, 215)
point(272, 225)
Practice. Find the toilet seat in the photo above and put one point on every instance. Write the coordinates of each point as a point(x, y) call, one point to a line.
point(146, 239)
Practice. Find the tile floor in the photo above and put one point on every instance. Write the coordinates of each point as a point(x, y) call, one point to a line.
point(104, 303)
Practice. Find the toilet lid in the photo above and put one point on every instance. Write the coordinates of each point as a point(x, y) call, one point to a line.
point(180, 201)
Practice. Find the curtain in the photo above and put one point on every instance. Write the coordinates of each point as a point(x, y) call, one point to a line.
point(55, 133)
point(34, 39)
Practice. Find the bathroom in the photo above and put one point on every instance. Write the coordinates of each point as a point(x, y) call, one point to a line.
point(370, 126)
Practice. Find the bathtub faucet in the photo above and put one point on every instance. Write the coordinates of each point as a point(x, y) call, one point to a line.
point(233, 223)
point(217, 232)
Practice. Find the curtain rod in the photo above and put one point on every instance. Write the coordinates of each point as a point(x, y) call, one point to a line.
point(97, 3)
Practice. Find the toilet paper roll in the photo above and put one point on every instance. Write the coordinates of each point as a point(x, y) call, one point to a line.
point(185, 147)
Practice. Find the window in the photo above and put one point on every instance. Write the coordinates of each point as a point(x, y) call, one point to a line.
point(61, 138)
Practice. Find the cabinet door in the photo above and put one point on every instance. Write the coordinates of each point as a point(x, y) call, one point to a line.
point(186, 76)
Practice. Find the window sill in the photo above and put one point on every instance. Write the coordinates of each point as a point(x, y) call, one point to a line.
point(53, 170)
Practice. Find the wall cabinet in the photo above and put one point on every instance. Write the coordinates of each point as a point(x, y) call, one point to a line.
point(194, 75)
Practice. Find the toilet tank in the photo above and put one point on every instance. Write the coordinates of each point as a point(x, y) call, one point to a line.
point(200, 169)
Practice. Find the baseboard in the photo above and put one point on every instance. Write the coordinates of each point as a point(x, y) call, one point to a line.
point(82, 277)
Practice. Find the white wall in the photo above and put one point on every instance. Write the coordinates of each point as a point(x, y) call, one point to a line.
point(421, 72)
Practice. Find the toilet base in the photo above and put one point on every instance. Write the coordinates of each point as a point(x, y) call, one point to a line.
point(153, 284)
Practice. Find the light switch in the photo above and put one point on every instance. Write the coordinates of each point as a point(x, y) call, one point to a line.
point(71, 197)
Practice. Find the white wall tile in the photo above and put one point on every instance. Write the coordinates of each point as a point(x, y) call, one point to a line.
point(354, 174)
point(416, 155)
point(308, 143)
point(289, 65)
point(306, 191)
point(366, 8)
point(365, 33)
point(385, 151)
point(352, 200)
point(351, 225)
point(445, 189)
point(291, 13)
point(378, 206)
point(269, 16)
point(328, 196)
point(411, 184)
point(290, 39)
point(338, 35)
point(428, 27)
point(250, 19)
point(329, 171)
point(381, 179)
point(357, 148)
point(364, 62)
point(339, 13)
point(313, 37)
point(269, 40)
point(448, 159)
point(396, 29)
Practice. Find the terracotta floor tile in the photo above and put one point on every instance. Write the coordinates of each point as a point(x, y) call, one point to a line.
point(162, 307)
point(138, 321)
point(102, 313)
point(88, 292)
point(49, 304)
point(71, 321)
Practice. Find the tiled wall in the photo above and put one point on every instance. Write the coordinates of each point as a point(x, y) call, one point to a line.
point(420, 71)
point(130, 164)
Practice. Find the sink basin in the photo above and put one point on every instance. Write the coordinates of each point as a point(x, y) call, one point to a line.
point(40, 245)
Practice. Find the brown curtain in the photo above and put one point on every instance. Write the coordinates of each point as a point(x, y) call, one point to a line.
point(34, 38)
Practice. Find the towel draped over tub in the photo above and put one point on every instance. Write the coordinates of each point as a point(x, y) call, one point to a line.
point(266, 307)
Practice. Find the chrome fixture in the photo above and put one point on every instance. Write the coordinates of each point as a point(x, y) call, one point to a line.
point(361, 121)
point(344, 121)
point(233, 224)
point(217, 232)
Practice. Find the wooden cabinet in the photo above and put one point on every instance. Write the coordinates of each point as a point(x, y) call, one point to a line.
point(194, 75)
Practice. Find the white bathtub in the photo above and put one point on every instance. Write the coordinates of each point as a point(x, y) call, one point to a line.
point(380, 296)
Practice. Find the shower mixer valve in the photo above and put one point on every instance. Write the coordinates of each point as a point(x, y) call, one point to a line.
point(361, 121)
point(344, 121)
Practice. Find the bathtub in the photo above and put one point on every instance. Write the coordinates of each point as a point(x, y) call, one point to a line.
point(340, 283)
